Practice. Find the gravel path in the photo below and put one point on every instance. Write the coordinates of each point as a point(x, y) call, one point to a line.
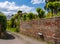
point(21, 39)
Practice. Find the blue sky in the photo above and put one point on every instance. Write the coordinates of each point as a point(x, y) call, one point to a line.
point(12, 6)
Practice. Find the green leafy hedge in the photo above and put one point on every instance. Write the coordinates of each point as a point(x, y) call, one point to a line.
point(3, 22)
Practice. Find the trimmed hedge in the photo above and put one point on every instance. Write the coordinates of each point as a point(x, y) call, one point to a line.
point(3, 22)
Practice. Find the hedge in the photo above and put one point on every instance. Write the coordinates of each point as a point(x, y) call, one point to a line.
point(3, 22)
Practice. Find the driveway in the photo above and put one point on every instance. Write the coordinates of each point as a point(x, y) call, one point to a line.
point(20, 39)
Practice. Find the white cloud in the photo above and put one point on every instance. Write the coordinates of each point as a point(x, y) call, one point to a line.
point(26, 8)
point(37, 1)
point(10, 8)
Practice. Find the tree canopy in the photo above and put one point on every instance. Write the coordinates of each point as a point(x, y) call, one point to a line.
point(40, 12)
point(53, 7)
point(30, 16)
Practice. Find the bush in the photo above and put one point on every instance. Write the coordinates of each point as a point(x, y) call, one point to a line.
point(31, 16)
point(57, 15)
point(49, 15)
point(3, 22)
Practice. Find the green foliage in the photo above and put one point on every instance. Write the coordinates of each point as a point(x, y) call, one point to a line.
point(15, 20)
point(19, 13)
point(25, 17)
point(31, 16)
point(11, 29)
point(8, 23)
point(58, 15)
point(40, 12)
point(19, 16)
point(3, 22)
point(53, 6)
point(51, 0)
point(49, 15)
point(50, 7)
point(18, 24)
point(13, 24)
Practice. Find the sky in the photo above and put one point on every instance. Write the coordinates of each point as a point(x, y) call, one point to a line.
point(9, 7)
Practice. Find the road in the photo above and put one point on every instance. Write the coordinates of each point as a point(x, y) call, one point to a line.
point(21, 39)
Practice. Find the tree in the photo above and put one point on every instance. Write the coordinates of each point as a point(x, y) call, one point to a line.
point(24, 17)
point(12, 22)
point(56, 5)
point(3, 24)
point(19, 13)
point(53, 6)
point(49, 6)
point(40, 12)
point(15, 20)
point(19, 17)
point(30, 16)
point(51, 0)
point(3, 21)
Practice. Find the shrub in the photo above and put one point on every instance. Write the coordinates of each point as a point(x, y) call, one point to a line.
point(31, 16)
point(57, 15)
point(49, 15)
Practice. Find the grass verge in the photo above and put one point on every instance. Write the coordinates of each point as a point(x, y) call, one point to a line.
point(11, 29)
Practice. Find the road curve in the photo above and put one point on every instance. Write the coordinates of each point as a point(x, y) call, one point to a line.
point(21, 39)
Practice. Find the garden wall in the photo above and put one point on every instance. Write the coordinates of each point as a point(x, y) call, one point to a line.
point(50, 29)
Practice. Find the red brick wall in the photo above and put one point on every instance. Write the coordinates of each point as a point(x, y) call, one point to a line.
point(47, 27)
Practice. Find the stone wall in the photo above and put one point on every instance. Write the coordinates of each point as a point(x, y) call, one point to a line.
point(50, 28)
point(57, 31)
